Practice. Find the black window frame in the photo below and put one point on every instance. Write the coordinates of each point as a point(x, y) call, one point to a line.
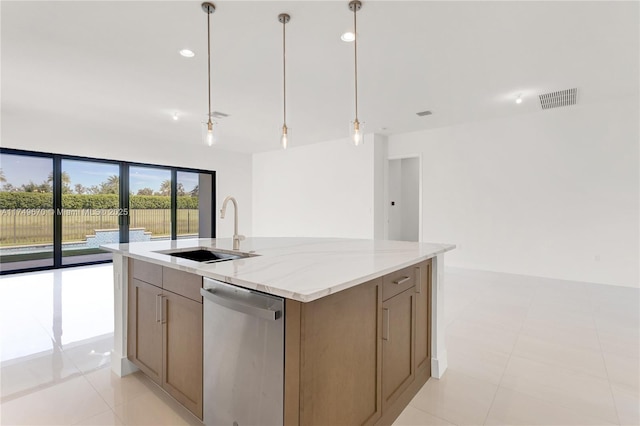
point(124, 199)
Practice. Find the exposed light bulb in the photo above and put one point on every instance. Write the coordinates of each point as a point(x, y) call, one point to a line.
point(357, 133)
point(519, 99)
point(284, 139)
point(348, 37)
point(209, 136)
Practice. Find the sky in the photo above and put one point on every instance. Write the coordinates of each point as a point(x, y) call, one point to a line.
point(19, 170)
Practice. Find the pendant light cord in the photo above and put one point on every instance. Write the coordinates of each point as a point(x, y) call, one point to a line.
point(209, 61)
point(284, 73)
point(355, 50)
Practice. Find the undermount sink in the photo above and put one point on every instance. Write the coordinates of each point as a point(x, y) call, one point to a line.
point(204, 255)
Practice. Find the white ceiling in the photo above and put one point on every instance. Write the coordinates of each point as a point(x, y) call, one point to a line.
point(108, 72)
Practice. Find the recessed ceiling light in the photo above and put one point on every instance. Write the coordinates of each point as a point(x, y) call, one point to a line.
point(187, 53)
point(519, 99)
point(175, 116)
point(348, 37)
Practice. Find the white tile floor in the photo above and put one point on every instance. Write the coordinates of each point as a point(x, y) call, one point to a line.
point(522, 350)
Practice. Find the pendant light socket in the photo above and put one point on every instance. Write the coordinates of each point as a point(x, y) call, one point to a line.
point(284, 18)
point(208, 8)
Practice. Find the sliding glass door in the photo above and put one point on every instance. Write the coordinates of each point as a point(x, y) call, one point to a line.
point(188, 197)
point(149, 203)
point(90, 209)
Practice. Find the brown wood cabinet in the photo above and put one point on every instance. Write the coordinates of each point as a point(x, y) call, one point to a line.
point(357, 357)
point(165, 330)
point(398, 341)
point(145, 328)
point(338, 371)
point(423, 319)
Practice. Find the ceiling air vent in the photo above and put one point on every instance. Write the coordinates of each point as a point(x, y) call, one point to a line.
point(423, 113)
point(558, 99)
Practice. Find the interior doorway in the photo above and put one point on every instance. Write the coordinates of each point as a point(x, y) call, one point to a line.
point(404, 202)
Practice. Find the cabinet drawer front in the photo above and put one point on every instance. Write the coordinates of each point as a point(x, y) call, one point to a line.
point(398, 281)
point(182, 283)
point(145, 271)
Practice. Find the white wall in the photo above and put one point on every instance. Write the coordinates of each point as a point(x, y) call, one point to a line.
point(554, 194)
point(380, 194)
point(320, 190)
point(233, 169)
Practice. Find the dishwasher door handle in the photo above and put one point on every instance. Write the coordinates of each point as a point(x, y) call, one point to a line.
point(236, 305)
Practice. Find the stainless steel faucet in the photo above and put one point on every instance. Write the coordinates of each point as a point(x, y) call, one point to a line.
point(236, 238)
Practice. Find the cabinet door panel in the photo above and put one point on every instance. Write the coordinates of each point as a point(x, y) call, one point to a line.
point(145, 328)
point(398, 364)
point(340, 358)
point(423, 313)
point(182, 349)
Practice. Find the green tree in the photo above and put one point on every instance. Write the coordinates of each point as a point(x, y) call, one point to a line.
point(66, 182)
point(7, 187)
point(34, 187)
point(195, 191)
point(80, 189)
point(111, 185)
point(165, 188)
point(145, 191)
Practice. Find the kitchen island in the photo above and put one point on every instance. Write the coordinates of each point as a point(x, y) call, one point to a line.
point(364, 325)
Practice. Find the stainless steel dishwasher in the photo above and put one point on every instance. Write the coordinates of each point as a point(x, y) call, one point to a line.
point(243, 356)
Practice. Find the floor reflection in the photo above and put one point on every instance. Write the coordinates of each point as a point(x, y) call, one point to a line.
point(54, 326)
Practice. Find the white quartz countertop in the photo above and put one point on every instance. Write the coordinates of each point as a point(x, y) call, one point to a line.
point(302, 269)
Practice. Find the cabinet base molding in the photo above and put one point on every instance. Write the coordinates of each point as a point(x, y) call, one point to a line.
point(439, 365)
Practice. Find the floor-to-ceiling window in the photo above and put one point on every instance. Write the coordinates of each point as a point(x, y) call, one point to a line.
point(26, 212)
point(56, 210)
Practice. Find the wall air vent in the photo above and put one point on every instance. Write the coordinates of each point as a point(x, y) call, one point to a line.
point(423, 113)
point(559, 99)
point(218, 114)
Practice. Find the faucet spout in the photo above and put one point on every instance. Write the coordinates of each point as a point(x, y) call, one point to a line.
point(223, 210)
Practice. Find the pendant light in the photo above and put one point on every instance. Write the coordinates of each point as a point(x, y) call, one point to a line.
point(284, 138)
point(356, 126)
point(208, 127)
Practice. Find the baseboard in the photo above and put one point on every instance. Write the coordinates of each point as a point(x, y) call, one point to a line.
point(439, 365)
point(121, 365)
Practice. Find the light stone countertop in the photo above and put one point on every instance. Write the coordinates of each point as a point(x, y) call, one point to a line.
point(302, 269)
